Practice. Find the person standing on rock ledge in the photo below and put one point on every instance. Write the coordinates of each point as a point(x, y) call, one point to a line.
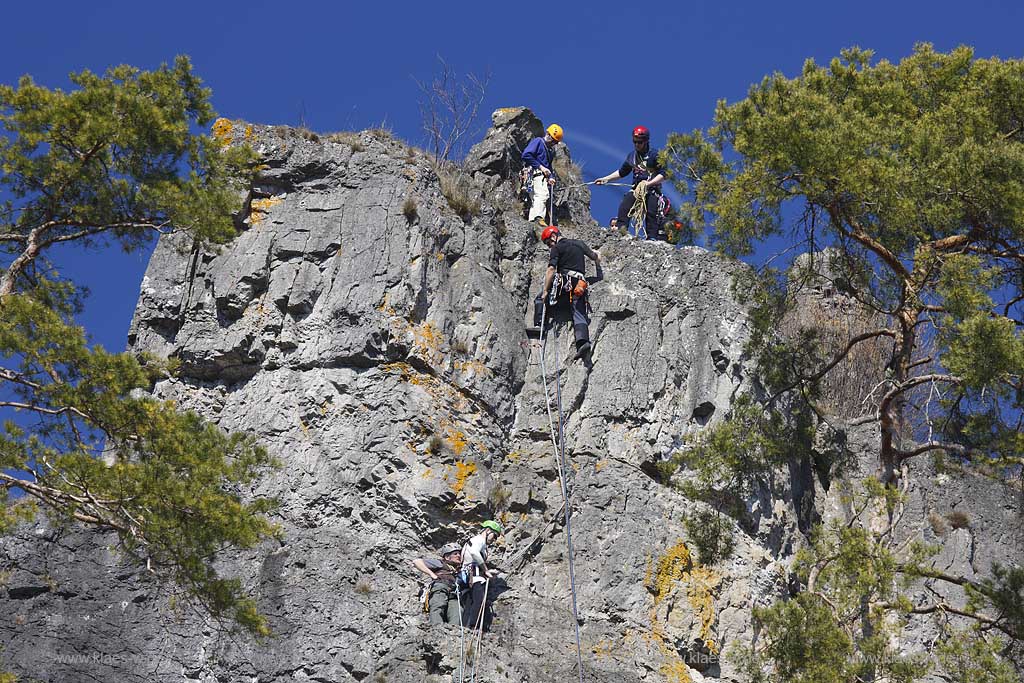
point(565, 284)
point(474, 565)
point(648, 176)
point(443, 593)
point(538, 156)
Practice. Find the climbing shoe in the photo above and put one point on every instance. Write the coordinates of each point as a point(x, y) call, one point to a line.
point(583, 351)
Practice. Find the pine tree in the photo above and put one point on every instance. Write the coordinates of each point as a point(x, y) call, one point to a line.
point(908, 180)
point(115, 162)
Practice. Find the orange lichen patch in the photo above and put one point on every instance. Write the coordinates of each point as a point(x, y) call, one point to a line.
point(426, 473)
point(463, 471)
point(600, 465)
point(403, 369)
point(514, 455)
point(456, 439)
point(427, 339)
point(248, 132)
point(440, 256)
point(222, 129)
point(259, 208)
point(386, 307)
point(470, 366)
point(604, 648)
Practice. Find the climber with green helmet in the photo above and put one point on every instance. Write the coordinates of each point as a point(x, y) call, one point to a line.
point(474, 566)
point(443, 593)
point(537, 157)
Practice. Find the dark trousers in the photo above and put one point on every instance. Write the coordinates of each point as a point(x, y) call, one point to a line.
point(576, 310)
point(475, 600)
point(653, 224)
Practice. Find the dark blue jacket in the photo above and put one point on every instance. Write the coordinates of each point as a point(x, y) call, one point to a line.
point(643, 166)
point(537, 154)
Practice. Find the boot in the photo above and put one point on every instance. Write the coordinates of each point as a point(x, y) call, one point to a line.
point(582, 349)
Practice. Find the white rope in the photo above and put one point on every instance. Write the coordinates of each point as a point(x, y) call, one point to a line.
point(462, 633)
point(560, 459)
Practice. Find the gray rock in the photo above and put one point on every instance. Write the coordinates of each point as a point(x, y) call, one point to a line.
point(385, 362)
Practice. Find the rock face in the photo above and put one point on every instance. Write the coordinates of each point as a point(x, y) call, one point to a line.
point(374, 340)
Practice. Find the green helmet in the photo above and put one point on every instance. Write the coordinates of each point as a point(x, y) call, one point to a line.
point(493, 526)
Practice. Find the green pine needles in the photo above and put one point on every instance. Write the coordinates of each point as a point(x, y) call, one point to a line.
point(116, 162)
point(903, 186)
point(912, 175)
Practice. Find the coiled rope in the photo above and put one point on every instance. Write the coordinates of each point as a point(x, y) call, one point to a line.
point(559, 446)
point(638, 214)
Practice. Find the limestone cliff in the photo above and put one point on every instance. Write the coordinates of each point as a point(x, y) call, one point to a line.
point(369, 330)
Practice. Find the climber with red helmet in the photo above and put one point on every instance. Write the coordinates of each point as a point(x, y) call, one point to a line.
point(537, 157)
point(565, 285)
point(643, 163)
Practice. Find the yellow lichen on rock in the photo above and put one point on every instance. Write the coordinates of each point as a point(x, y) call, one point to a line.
point(669, 569)
point(259, 208)
point(463, 471)
point(675, 670)
point(222, 129)
point(469, 366)
point(677, 567)
point(702, 583)
point(456, 439)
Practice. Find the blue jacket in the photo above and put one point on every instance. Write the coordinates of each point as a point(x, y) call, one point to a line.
point(537, 154)
point(643, 166)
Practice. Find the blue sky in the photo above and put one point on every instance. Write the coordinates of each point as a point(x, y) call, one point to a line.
point(598, 68)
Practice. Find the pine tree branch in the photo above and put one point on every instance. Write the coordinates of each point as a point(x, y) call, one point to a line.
point(910, 383)
point(836, 360)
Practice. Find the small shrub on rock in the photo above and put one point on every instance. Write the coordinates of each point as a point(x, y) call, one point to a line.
point(409, 209)
point(458, 189)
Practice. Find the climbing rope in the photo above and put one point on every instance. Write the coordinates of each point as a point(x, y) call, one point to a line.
point(462, 633)
point(638, 214)
point(479, 627)
point(551, 204)
point(559, 446)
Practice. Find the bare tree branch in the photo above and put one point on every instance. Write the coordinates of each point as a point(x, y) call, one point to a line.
point(449, 108)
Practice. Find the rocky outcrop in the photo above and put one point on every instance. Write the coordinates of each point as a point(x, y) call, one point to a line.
point(372, 337)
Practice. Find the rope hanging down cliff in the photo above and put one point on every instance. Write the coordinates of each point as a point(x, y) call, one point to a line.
point(559, 450)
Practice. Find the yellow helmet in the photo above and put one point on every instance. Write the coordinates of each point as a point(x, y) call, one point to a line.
point(555, 131)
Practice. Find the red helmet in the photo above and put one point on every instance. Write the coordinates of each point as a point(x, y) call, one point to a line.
point(548, 232)
point(641, 133)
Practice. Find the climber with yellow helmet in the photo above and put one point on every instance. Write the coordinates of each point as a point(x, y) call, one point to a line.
point(537, 157)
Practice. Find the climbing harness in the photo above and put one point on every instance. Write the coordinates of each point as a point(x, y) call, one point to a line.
point(559, 446)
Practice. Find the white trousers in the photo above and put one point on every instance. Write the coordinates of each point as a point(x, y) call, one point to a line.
point(541, 192)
